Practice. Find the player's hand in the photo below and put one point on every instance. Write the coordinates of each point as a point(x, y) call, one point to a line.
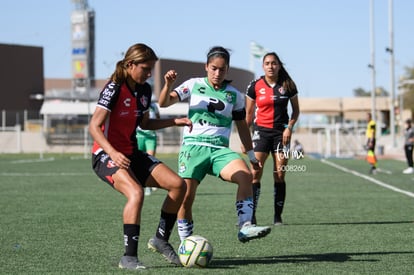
point(170, 77)
point(256, 165)
point(185, 121)
point(287, 134)
point(120, 160)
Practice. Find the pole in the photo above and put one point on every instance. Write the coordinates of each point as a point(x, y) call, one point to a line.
point(372, 65)
point(392, 72)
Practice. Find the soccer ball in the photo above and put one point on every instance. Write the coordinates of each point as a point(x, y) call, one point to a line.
point(195, 251)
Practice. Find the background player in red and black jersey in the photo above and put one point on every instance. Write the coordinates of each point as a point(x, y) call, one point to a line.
point(123, 105)
point(267, 101)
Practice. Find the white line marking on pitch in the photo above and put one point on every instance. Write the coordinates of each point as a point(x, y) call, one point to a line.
point(33, 160)
point(380, 183)
point(43, 174)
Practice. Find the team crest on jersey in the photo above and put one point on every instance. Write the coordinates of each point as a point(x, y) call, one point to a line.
point(229, 97)
point(282, 91)
point(111, 164)
point(144, 101)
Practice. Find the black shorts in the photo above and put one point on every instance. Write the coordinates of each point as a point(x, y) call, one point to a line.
point(372, 141)
point(268, 141)
point(141, 165)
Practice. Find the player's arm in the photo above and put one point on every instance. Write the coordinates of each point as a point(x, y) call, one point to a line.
point(287, 133)
point(97, 120)
point(250, 106)
point(246, 140)
point(155, 124)
point(294, 103)
point(167, 96)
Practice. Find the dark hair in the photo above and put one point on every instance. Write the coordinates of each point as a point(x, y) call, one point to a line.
point(218, 51)
point(137, 53)
point(284, 78)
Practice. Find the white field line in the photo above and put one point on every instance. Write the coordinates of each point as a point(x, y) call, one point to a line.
point(380, 183)
point(33, 160)
point(43, 174)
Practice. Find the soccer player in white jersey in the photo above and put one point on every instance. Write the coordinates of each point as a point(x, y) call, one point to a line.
point(213, 105)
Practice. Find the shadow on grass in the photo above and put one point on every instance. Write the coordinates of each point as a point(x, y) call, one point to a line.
point(301, 258)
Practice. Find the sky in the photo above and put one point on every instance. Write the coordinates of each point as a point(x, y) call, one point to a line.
point(325, 45)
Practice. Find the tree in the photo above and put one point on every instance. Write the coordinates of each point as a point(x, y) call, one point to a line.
point(360, 92)
point(379, 91)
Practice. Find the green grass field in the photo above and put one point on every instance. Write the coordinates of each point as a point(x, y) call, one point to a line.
point(57, 217)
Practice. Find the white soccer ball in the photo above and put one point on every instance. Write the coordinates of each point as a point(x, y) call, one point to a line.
point(195, 251)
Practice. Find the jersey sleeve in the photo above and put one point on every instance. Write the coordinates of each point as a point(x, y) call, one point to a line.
point(250, 91)
point(183, 90)
point(239, 110)
point(108, 96)
point(293, 93)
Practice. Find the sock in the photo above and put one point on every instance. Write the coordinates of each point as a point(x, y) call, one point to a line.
point(185, 228)
point(167, 221)
point(279, 198)
point(131, 236)
point(256, 195)
point(244, 211)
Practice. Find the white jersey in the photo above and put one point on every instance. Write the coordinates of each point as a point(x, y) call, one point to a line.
point(211, 111)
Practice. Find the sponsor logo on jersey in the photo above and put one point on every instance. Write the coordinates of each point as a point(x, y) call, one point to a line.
point(107, 94)
point(127, 102)
point(104, 157)
point(215, 105)
point(262, 91)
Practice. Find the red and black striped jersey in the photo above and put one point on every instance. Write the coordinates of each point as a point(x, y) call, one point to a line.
point(271, 103)
point(126, 109)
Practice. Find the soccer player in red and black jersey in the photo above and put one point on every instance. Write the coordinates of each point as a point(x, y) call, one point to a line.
point(267, 101)
point(123, 105)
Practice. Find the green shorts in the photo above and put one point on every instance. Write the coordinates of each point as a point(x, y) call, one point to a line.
point(147, 143)
point(195, 161)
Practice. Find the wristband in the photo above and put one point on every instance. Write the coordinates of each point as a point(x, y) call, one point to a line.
point(251, 156)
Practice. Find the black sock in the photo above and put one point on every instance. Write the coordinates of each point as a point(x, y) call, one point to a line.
point(131, 236)
point(166, 225)
point(279, 198)
point(256, 195)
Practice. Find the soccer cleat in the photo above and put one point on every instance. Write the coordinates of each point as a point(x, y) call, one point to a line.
point(164, 248)
point(409, 170)
point(251, 231)
point(130, 262)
